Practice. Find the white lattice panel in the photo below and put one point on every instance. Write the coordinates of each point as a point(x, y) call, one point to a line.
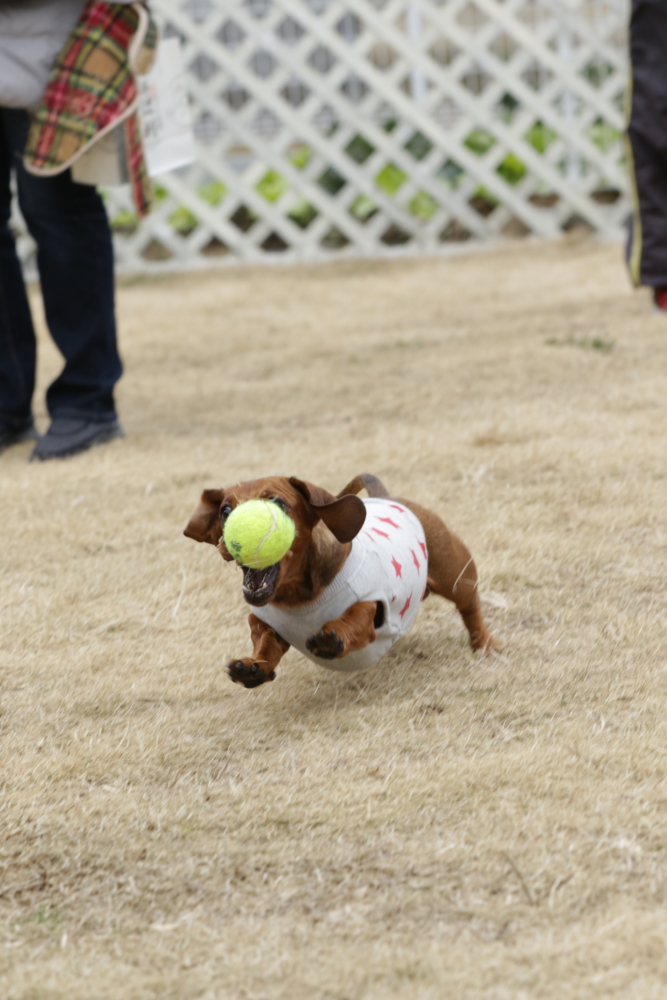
point(330, 127)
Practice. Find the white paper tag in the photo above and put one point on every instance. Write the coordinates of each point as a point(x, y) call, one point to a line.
point(164, 112)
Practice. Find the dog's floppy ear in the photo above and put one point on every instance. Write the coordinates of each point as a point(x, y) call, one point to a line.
point(343, 517)
point(204, 525)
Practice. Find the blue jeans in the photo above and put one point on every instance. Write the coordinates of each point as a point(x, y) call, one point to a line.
point(75, 259)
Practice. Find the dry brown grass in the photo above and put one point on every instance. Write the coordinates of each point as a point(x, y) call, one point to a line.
point(439, 827)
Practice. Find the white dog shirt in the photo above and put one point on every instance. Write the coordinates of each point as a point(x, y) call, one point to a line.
point(388, 563)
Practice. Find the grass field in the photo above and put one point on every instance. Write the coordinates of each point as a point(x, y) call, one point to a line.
point(443, 826)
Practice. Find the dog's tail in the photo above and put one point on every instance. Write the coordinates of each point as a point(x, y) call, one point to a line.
point(365, 481)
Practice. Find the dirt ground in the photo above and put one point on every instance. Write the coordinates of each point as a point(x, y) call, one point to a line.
point(441, 826)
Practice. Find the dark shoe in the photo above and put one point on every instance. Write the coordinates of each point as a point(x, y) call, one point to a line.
point(660, 299)
point(15, 433)
point(67, 436)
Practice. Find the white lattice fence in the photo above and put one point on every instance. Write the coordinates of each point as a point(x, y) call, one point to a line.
point(329, 127)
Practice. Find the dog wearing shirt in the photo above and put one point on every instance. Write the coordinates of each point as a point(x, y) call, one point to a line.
point(353, 579)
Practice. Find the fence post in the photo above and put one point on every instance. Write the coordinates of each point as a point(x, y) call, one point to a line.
point(568, 106)
point(417, 75)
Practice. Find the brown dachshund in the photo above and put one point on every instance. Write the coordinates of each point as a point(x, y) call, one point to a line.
point(295, 597)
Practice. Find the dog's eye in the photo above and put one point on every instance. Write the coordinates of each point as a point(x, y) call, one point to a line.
point(225, 512)
point(280, 503)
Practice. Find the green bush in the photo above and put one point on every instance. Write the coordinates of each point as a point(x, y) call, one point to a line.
point(479, 141)
point(423, 206)
point(183, 220)
point(363, 208)
point(300, 156)
point(272, 186)
point(303, 213)
point(391, 178)
point(540, 137)
point(212, 192)
point(511, 169)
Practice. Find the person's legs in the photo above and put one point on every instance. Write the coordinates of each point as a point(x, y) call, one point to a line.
point(75, 259)
point(647, 142)
point(647, 254)
point(17, 335)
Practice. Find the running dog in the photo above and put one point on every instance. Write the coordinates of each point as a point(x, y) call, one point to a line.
point(353, 579)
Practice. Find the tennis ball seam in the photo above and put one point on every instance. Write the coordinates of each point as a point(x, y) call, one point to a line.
point(272, 510)
point(259, 515)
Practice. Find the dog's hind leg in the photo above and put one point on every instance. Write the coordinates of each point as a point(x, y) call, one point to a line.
point(453, 575)
point(373, 486)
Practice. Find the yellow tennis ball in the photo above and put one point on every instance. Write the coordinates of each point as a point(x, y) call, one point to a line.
point(258, 533)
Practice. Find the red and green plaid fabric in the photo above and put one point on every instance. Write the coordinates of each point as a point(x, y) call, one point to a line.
point(91, 90)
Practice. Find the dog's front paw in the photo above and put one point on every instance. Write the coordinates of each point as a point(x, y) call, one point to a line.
point(248, 673)
point(328, 645)
point(485, 644)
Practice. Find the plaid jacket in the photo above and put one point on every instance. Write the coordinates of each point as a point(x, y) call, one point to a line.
point(92, 89)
